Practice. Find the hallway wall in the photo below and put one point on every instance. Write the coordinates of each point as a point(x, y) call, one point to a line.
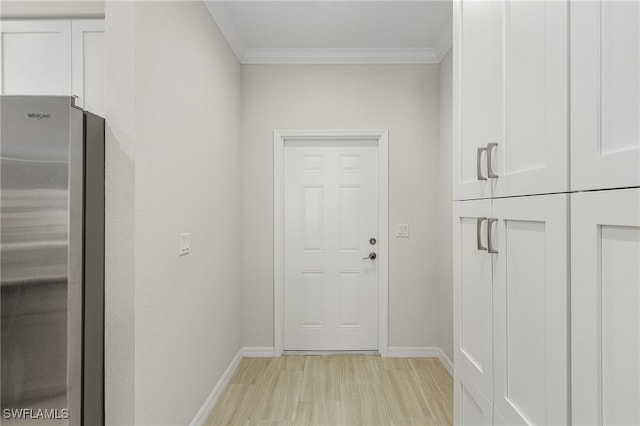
point(173, 117)
point(445, 205)
point(401, 98)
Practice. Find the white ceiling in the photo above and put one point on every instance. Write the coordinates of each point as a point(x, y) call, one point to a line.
point(334, 32)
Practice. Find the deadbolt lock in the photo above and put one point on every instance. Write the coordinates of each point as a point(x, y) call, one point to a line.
point(372, 241)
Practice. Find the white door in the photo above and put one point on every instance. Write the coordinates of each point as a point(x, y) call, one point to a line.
point(605, 94)
point(605, 307)
point(531, 310)
point(330, 215)
point(476, 76)
point(532, 155)
point(35, 57)
point(472, 408)
point(473, 293)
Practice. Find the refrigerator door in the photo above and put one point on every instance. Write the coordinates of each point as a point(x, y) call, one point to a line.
point(41, 260)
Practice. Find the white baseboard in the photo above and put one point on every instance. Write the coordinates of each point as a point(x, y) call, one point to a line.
point(258, 351)
point(444, 359)
point(422, 352)
point(414, 351)
point(247, 351)
point(215, 394)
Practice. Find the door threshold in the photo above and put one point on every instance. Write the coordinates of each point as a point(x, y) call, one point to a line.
point(376, 353)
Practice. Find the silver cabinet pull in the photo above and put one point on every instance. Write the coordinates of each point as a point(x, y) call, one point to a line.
point(479, 233)
point(479, 163)
point(490, 147)
point(490, 222)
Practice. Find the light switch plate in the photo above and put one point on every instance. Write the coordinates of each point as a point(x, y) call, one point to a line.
point(402, 230)
point(185, 244)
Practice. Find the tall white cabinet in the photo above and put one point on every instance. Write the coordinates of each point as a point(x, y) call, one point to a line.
point(54, 57)
point(546, 178)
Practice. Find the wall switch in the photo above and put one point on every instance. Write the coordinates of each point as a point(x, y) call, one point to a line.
point(185, 244)
point(402, 230)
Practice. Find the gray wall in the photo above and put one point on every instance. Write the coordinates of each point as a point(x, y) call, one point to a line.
point(401, 98)
point(445, 213)
point(173, 111)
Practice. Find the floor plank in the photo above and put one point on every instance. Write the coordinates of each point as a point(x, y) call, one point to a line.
point(334, 390)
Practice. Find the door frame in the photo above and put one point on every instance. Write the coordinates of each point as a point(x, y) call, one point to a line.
point(381, 136)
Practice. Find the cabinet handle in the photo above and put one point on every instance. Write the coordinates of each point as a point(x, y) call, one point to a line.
point(479, 163)
point(490, 147)
point(479, 233)
point(490, 249)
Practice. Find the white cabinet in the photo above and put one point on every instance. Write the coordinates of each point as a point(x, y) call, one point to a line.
point(473, 294)
point(605, 307)
point(36, 57)
point(54, 57)
point(87, 37)
point(510, 100)
point(605, 94)
point(476, 72)
point(511, 286)
point(472, 406)
point(530, 310)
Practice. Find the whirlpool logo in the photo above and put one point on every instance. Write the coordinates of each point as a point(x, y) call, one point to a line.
point(39, 115)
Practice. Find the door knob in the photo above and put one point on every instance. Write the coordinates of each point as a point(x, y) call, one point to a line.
point(372, 256)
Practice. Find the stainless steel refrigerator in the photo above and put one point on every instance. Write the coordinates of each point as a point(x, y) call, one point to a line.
point(52, 256)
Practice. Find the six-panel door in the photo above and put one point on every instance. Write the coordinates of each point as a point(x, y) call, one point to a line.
point(605, 307)
point(530, 310)
point(331, 275)
point(605, 94)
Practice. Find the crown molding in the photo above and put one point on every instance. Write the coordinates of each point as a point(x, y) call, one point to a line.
point(444, 42)
point(227, 27)
point(254, 56)
point(340, 56)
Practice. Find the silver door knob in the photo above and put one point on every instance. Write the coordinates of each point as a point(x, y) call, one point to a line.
point(372, 256)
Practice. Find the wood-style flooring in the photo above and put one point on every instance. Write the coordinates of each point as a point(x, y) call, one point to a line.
point(336, 390)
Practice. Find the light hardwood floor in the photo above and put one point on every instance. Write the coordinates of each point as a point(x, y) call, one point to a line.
point(336, 390)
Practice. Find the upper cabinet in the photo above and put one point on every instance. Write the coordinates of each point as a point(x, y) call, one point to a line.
point(54, 57)
point(36, 57)
point(510, 100)
point(87, 47)
point(605, 94)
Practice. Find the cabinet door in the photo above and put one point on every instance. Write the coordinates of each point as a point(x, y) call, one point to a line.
point(472, 408)
point(472, 294)
point(476, 37)
point(87, 56)
point(35, 57)
point(605, 307)
point(532, 152)
point(531, 310)
point(605, 94)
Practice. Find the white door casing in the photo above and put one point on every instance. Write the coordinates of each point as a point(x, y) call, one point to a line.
point(326, 208)
point(605, 307)
point(605, 94)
